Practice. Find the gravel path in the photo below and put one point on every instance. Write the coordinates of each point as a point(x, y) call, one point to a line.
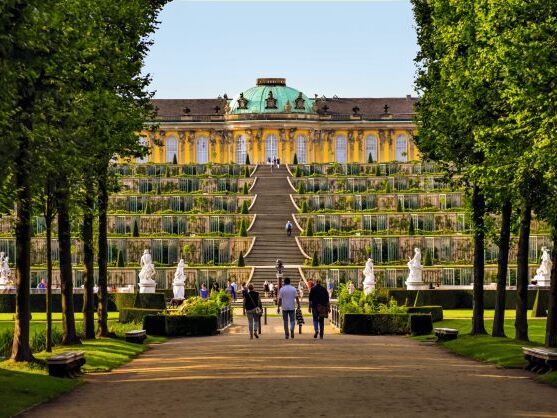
point(340, 376)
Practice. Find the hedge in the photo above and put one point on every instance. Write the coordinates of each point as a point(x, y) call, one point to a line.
point(121, 300)
point(181, 325)
point(150, 301)
point(387, 324)
point(38, 303)
point(135, 314)
point(421, 324)
point(154, 324)
point(461, 298)
point(435, 311)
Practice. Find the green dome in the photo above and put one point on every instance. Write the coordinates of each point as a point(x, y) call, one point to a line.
point(271, 95)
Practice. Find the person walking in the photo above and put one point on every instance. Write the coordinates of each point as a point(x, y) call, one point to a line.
point(235, 289)
point(288, 228)
point(266, 288)
point(288, 300)
point(272, 289)
point(319, 307)
point(252, 305)
point(330, 288)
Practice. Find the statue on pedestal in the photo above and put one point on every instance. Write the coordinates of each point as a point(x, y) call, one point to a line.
point(543, 272)
point(147, 273)
point(414, 280)
point(5, 271)
point(179, 280)
point(369, 273)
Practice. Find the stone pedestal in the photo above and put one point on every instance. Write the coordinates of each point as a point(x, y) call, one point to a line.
point(543, 280)
point(147, 287)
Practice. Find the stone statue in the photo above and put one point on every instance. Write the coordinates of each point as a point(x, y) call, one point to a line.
point(5, 272)
point(369, 273)
point(414, 280)
point(147, 273)
point(543, 272)
point(179, 280)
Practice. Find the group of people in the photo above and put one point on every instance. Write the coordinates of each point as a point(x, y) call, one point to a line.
point(231, 289)
point(275, 162)
point(289, 303)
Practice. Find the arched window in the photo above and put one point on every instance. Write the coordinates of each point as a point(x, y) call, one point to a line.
point(340, 149)
point(401, 148)
point(371, 148)
point(301, 149)
point(271, 148)
point(202, 150)
point(241, 150)
point(171, 149)
point(143, 142)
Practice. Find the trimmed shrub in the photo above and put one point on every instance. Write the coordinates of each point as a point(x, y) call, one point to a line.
point(121, 300)
point(120, 259)
point(435, 311)
point(399, 206)
point(135, 314)
point(295, 160)
point(309, 228)
point(302, 188)
point(135, 232)
point(245, 208)
point(150, 301)
point(241, 261)
point(154, 324)
point(182, 326)
point(298, 172)
point(174, 160)
point(428, 261)
point(420, 324)
point(304, 208)
point(315, 260)
point(247, 159)
point(246, 189)
point(411, 228)
point(369, 158)
point(376, 324)
point(243, 229)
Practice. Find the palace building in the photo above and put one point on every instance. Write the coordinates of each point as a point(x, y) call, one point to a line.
point(273, 120)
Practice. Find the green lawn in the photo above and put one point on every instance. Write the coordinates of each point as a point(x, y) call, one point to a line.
point(467, 313)
point(504, 352)
point(24, 385)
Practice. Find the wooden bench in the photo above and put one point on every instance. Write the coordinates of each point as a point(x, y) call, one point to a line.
point(445, 334)
point(66, 364)
point(136, 336)
point(540, 360)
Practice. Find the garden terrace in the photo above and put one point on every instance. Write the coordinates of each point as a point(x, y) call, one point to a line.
point(150, 225)
point(369, 184)
point(399, 249)
point(149, 204)
point(123, 277)
point(128, 251)
point(381, 169)
point(175, 185)
point(173, 170)
point(380, 201)
point(395, 276)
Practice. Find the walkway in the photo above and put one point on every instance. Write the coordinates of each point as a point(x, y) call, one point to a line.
point(340, 376)
point(273, 208)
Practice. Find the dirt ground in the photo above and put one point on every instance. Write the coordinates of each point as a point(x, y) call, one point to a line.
point(339, 376)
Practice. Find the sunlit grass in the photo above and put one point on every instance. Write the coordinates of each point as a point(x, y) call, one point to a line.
point(56, 316)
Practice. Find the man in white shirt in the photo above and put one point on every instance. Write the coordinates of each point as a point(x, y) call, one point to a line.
point(288, 300)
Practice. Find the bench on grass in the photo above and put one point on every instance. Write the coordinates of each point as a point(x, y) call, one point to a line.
point(445, 334)
point(136, 336)
point(540, 360)
point(66, 364)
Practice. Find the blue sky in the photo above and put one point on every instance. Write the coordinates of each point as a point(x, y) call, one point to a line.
point(352, 49)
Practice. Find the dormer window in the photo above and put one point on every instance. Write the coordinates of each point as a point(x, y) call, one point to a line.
point(242, 102)
point(300, 102)
point(271, 102)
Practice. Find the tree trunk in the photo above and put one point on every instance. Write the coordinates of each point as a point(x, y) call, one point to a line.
point(478, 212)
point(502, 267)
point(48, 220)
point(88, 255)
point(21, 351)
point(103, 256)
point(551, 325)
point(66, 276)
point(522, 277)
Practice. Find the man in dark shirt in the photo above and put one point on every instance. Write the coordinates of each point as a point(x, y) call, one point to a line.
point(319, 307)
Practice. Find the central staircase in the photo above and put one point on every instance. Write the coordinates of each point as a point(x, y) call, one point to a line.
point(273, 208)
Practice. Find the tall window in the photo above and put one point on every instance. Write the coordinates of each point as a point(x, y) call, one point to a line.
point(144, 142)
point(271, 147)
point(241, 150)
point(171, 149)
point(371, 148)
point(340, 149)
point(401, 148)
point(202, 150)
point(301, 149)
